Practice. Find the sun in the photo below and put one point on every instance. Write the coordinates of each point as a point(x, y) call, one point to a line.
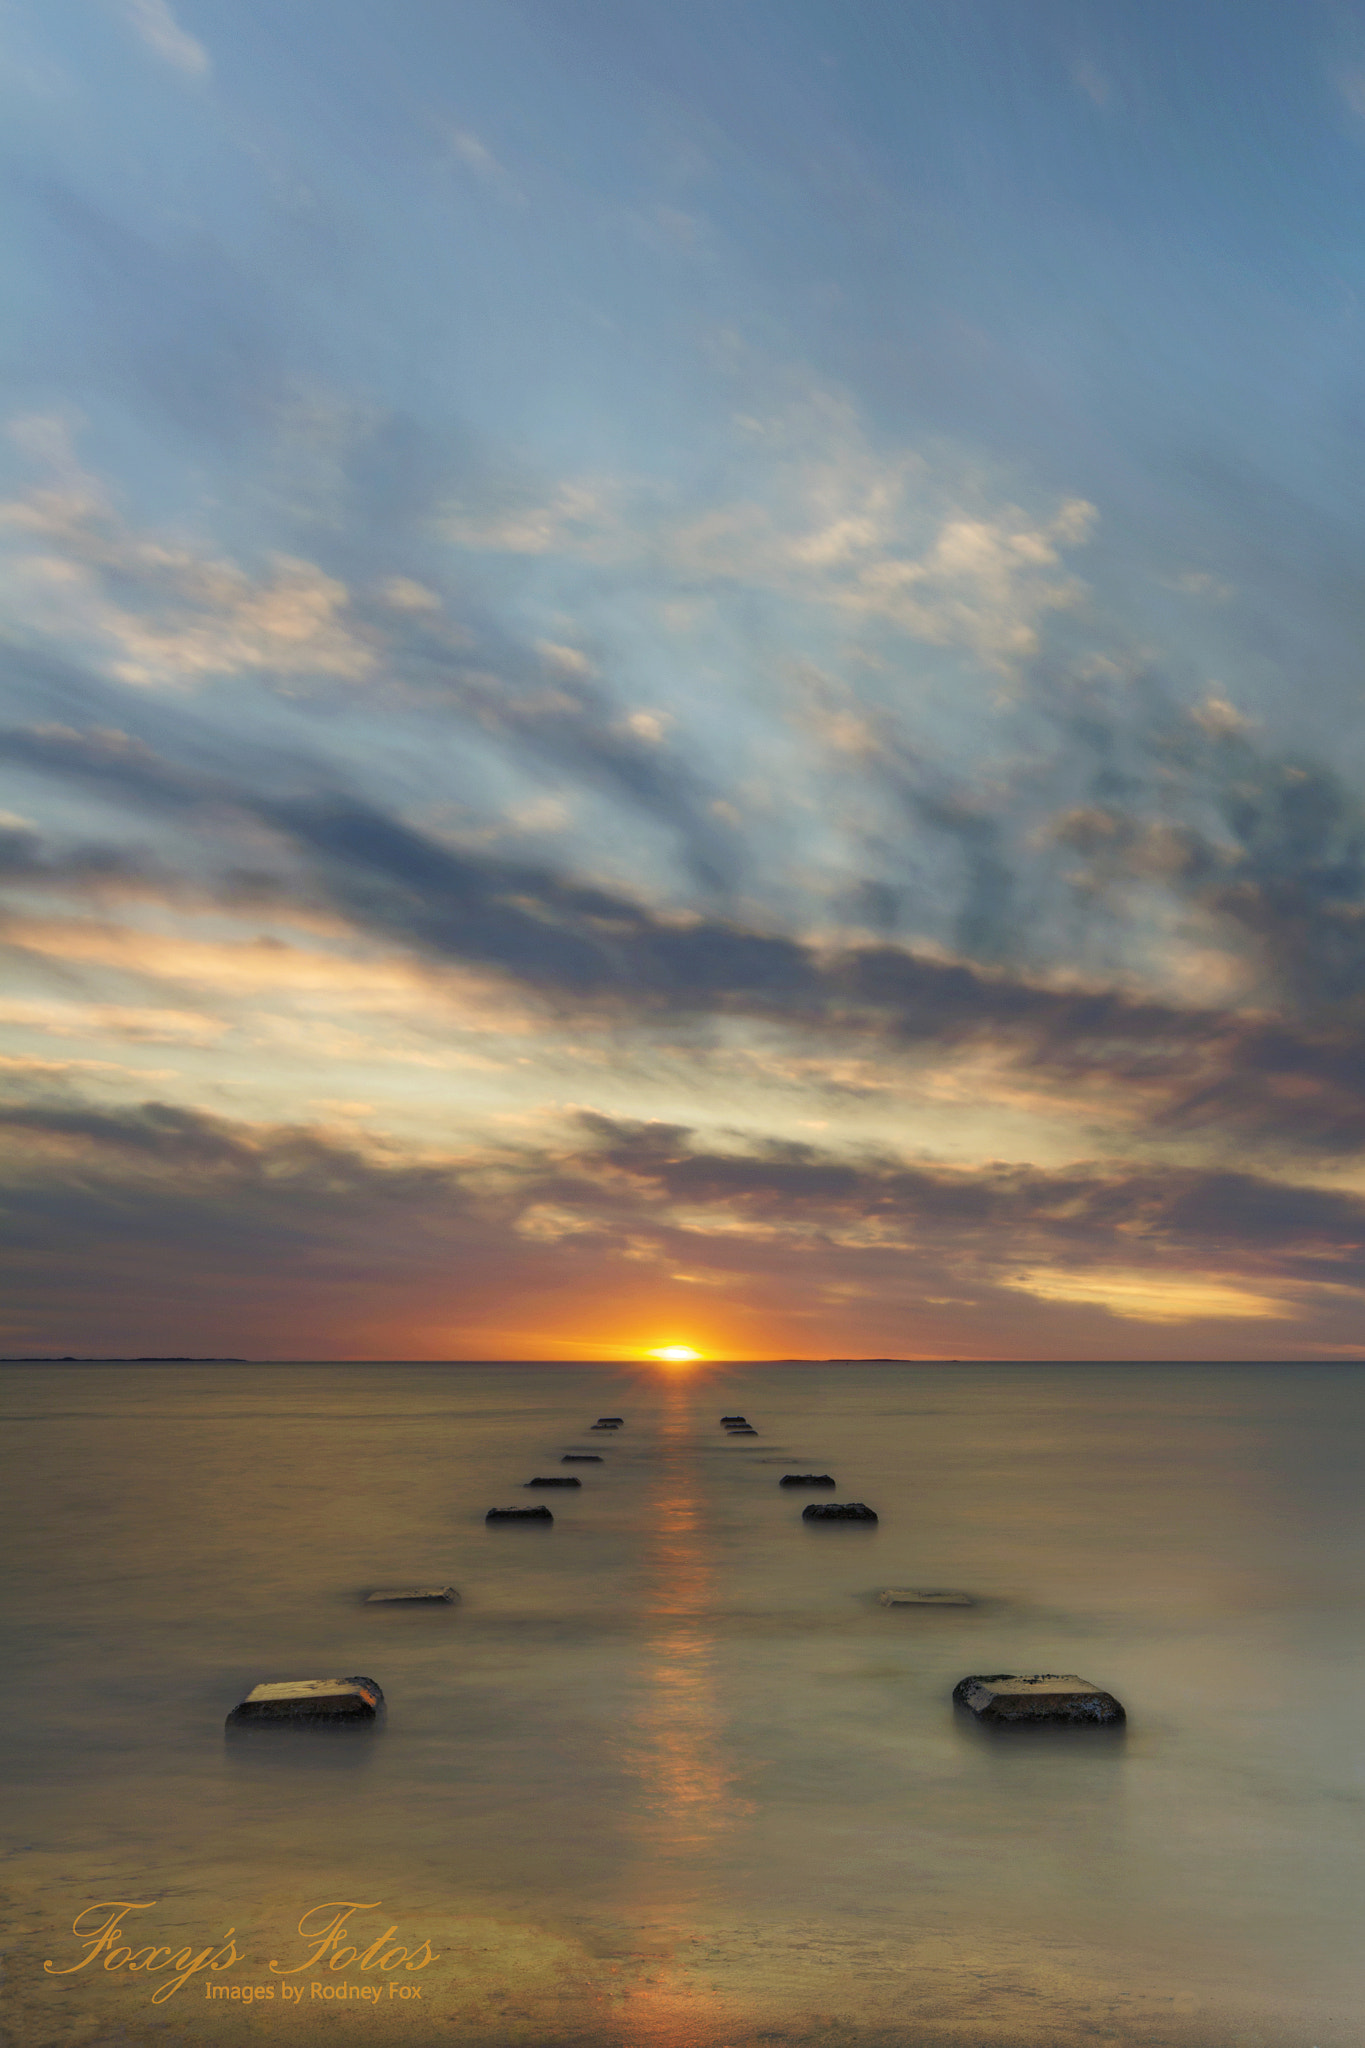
point(674, 1354)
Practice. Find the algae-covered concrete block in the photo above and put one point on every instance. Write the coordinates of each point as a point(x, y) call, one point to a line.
point(1005, 1699)
point(915, 1596)
point(805, 1479)
point(560, 1479)
point(390, 1596)
point(838, 1511)
point(309, 1699)
point(518, 1515)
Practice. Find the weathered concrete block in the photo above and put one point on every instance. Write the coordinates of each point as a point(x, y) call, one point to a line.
point(1045, 1696)
point(560, 1479)
point(309, 1699)
point(914, 1596)
point(580, 1458)
point(805, 1479)
point(518, 1515)
point(838, 1511)
point(387, 1598)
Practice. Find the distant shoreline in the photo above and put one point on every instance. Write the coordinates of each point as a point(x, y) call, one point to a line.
point(70, 1358)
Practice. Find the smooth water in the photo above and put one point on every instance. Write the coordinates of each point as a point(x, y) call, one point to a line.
point(669, 1774)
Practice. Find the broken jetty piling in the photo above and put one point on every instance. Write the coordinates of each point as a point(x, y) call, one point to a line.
point(1005, 1700)
point(303, 1701)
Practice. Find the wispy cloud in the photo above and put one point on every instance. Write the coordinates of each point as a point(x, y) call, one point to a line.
point(825, 519)
point(649, 1200)
point(585, 949)
point(156, 26)
point(181, 614)
point(1155, 1297)
point(467, 149)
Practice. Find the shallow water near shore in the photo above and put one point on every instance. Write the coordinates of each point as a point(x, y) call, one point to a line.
point(669, 1774)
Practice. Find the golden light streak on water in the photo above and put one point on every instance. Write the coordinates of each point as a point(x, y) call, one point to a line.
point(678, 1737)
point(679, 1751)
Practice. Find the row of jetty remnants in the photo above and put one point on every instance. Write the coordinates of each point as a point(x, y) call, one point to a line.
point(611, 1422)
point(1001, 1699)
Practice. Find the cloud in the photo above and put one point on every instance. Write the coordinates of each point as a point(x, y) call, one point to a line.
point(822, 518)
point(264, 966)
point(580, 518)
point(27, 861)
point(1351, 86)
point(407, 595)
point(161, 1188)
point(1268, 849)
point(1182, 1068)
point(153, 22)
point(59, 1017)
point(477, 158)
point(1089, 79)
point(157, 612)
point(1154, 1297)
point(181, 615)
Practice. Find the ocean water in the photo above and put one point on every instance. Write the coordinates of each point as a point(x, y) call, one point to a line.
point(669, 1774)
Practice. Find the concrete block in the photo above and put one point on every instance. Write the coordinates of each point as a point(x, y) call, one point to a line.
point(914, 1596)
point(838, 1511)
point(1005, 1700)
point(309, 1699)
point(385, 1599)
point(518, 1515)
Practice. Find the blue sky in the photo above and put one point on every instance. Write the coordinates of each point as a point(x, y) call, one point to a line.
point(684, 675)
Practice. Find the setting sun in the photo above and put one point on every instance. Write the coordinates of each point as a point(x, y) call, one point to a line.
point(674, 1354)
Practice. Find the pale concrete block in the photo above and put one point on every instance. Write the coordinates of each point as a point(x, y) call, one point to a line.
point(309, 1699)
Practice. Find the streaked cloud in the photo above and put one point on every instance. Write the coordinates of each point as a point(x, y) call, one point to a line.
point(832, 521)
point(180, 615)
point(476, 157)
point(703, 687)
point(1154, 1297)
point(155, 24)
point(613, 1199)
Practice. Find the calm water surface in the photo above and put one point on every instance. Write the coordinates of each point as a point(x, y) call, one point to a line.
point(669, 1775)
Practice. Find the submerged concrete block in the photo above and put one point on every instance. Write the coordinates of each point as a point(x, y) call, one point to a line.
point(387, 1598)
point(741, 1429)
point(805, 1479)
point(580, 1458)
point(609, 1422)
point(560, 1479)
point(733, 1418)
point(1045, 1696)
point(838, 1511)
point(914, 1596)
point(309, 1699)
point(518, 1515)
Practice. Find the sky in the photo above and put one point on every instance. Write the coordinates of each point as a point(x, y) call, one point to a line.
point(683, 676)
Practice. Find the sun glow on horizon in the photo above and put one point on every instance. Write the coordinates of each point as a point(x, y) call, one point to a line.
point(674, 1354)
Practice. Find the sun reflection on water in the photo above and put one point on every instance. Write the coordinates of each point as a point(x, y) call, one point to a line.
point(678, 1749)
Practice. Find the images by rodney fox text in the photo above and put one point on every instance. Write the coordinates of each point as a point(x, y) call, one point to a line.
point(331, 1943)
